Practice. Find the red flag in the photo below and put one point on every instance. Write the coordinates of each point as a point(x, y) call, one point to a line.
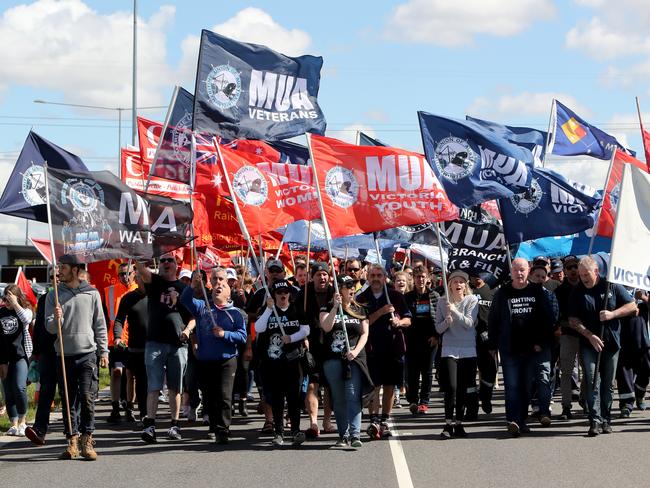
point(148, 136)
point(25, 286)
point(270, 195)
point(134, 173)
point(371, 188)
point(612, 189)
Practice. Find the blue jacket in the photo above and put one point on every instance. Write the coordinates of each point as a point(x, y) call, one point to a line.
point(229, 318)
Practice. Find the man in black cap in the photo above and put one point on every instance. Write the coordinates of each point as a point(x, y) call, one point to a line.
point(316, 294)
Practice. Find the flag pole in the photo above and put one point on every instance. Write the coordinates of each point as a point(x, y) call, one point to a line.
point(328, 238)
point(442, 260)
point(638, 111)
point(549, 142)
point(244, 229)
point(357, 138)
point(308, 263)
point(594, 229)
point(162, 136)
point(279, 251)
point(508, 253)
point(56, 300)
point(378, 251)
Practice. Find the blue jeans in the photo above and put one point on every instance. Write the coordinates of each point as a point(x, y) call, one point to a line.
point(15, 386)
point(515, 379)
point(599, 400)
point(539, 379)
point(346, 397)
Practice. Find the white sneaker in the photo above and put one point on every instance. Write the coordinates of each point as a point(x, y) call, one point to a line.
point(12, 431)
point(21, 430)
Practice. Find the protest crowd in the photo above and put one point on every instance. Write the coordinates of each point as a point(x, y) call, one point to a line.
point(244, 272)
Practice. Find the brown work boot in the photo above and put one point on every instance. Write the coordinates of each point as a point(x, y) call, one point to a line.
point(87, 449)
point(72, 451)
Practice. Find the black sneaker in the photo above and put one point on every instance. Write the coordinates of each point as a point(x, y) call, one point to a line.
point(384, 430)
point(298, 438)
point(277, 441)
point(114, 417)
point(566, 414)
point(222, 437)
point(606, 428)
point(447, 432)
point(243, 411)
point(594, 429)
point(149, 434)
point(513, 429)
point(486, 406)
point(625, 413)
point(129, 417)
point(459, 431)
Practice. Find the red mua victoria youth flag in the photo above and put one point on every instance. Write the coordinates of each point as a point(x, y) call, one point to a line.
point(371, 188)
point(270, 195)
point(612, 192)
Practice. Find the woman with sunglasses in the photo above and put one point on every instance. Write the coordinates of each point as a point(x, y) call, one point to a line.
point(15, 350)
point(280, 346)
point(346, 371)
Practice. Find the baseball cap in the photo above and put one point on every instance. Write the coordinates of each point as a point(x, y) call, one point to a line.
point(274, 263)
point(345, 281)
point(538, 266)
point(280, 285)
point(571, 259)
point(316, 267)
point(556, 266)
point(69, 259)
point(458, 274)
point(185, 273)
point(541, 259)
point(231, 274)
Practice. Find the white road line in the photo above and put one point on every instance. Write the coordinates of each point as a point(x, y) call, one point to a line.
point(399, 460)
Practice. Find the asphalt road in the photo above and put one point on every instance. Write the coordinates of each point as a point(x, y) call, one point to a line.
point(560, 455)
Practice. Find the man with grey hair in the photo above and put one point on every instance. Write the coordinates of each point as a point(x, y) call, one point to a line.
point(595, 310)
point(520, 327)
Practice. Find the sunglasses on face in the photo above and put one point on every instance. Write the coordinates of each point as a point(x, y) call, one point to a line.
point(167, 260)
point(353, 270)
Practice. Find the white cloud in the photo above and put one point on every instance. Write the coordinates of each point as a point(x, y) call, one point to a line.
point(589, 171)
point(68, 47)
point(377, 115)
point(248, 25)
point(524, 103)
point(603, 41)
point(451, 23)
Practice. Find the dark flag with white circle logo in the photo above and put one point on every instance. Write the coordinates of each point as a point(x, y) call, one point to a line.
point(552, 206)
point(24, 195)
point(474, 164)
point(97, 217)
point(248, 91)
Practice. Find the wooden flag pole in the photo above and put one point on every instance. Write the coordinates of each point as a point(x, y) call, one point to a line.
point(308, 264)
point(56, 301)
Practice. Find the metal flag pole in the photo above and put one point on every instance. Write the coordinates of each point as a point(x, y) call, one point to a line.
point(134, 112)
point(244, 229)
point(443, 266)
point(56, 300)
point(308, 264)
point(594, 229)
point(508, 254)
point(378, 251)
point(550, 142)
point(328, 238)
point(279, 251)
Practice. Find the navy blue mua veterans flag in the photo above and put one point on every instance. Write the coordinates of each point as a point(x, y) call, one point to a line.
point(473, 163)
point(24, 195)
point(95, 216)
point(552, 206)
point(248, 91)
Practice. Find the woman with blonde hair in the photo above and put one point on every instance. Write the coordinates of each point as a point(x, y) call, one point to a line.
point(455, 320)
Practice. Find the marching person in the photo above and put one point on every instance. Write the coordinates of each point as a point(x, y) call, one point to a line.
point(15, 351)
point(595, 311)
point(455, 321)
point(168, 330)
point(84, 335)
point(216, 347)
point(520, 320)
point(387, 317)
point(280, 366)
point(346, 371)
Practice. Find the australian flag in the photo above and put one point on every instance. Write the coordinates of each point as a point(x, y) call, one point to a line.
point(473, 163)
point(248, 91)
point(552, 206)
point(290, 152)
point(24, 196)
point(572, 136)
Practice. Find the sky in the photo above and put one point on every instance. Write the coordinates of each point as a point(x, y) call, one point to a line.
point(502, 60)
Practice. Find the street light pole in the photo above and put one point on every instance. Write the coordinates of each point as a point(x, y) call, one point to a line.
point(134, 121)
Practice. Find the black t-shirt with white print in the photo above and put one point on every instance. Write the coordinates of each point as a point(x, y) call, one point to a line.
point(334, 340)
point(167, 316)
point(269, 342)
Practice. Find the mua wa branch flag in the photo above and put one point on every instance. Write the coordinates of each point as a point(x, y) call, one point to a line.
point(97, 217)
point(552, 206)
point(24, 195)
point(248, 91)
point(629, 263)
point(473, 163)
point(572, 136)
